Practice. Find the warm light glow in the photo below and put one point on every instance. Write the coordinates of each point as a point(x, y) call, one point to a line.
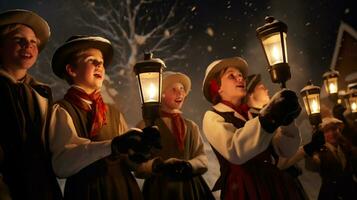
point(314, 107)
point(276, 54)
point(152, 91)
point(150, 83)
point(332, 88)
point(331, 85)
point(312, 103)
point(273, 48)
point(354, 107)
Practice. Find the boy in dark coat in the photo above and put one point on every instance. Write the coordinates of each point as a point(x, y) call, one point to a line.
point(25, 104)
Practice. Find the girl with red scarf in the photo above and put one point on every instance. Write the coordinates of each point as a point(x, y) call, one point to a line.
point(241, 142)
point(89, 139)
point(176, 171)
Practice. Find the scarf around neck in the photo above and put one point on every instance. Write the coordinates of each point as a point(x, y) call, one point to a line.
point(98, 108)
point(242, 109)
point(178, 126)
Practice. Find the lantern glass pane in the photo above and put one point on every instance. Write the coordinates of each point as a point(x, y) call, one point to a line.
point(353, 104)
point(312, 103)
point(273, 48)
point(150, 86)
point(331, 85)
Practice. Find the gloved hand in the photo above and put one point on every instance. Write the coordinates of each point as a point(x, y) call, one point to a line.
point(175, 169)
point(338, 111)
point(316, 143)
point(282, 109)
point(137, 143)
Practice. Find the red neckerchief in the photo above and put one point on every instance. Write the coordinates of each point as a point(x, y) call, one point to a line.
point(178, 126)
point(75, 96)
point(242, 109)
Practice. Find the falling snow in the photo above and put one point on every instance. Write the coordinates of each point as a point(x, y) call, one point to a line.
point(210, 31)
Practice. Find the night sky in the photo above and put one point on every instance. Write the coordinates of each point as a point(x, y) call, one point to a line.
point(216, 29)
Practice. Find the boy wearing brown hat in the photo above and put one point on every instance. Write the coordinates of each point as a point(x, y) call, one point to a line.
point(89, 139)
point(176, 171)
point(240, 141)
point(26, 165)
point(332, 155)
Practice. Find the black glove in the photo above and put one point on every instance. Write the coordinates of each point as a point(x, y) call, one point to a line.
point(175, 169)
point(129, 140)
point(338, 111)
point(316, 143)
point(151, 137)
point(137, 144)
point(281, 110)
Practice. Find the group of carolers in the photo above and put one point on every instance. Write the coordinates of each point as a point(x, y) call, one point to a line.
point(88, 142)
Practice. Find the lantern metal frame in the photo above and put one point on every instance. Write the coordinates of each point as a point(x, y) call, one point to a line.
point(150, 110)
point(310, 89)
point(352, 94)
point(279, 72)
point(327, 76)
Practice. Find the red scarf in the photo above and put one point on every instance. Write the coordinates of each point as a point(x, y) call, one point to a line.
point(98, 108)
point(242, 109)
point(178, 126)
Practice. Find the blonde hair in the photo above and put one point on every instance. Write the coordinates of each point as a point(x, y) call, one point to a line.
point(6, 29)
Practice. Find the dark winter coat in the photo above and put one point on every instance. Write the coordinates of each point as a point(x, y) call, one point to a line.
point(26, 165)
point(106, 178)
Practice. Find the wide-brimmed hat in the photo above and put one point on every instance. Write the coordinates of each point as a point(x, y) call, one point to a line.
point(170, 77)
point(30, 19)
point(77, 43)
point(216, 66)
point(252, 82)
point(328, 121)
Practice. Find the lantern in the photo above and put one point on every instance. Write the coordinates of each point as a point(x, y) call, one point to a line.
point(149, 76)
point(352, 101)
point(272, 36)
point(331, 83)
point(311, 97)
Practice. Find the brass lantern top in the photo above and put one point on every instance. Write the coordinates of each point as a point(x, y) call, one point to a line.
point(330, 74)
point(271, 25)
point(149, 64)
point(310, 89)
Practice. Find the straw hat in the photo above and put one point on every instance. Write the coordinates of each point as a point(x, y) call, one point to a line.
point(329, 121)
point(216, 66)
point(77, 43)
point(170, 77)
point(30, 19)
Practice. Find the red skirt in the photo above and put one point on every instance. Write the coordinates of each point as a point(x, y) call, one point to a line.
point(259, 180)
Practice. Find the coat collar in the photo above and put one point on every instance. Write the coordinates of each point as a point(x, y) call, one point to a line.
point(220, 107)
point(28, 78)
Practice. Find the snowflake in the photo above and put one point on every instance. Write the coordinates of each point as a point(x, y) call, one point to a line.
point(193, 8)
point(210, 31)
point(347, 10)
point(166, 33)
point(307, 24)
point(209, 48)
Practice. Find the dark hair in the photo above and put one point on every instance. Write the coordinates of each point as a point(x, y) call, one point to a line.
point(72, 60)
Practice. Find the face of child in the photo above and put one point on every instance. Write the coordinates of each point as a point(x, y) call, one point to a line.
point(331, 134)
point(173, 97)
point(260, 94)
point(232, 85)
point(19, 49)
point(89, 71)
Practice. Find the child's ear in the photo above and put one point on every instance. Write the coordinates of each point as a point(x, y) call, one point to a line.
point(70, 70)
